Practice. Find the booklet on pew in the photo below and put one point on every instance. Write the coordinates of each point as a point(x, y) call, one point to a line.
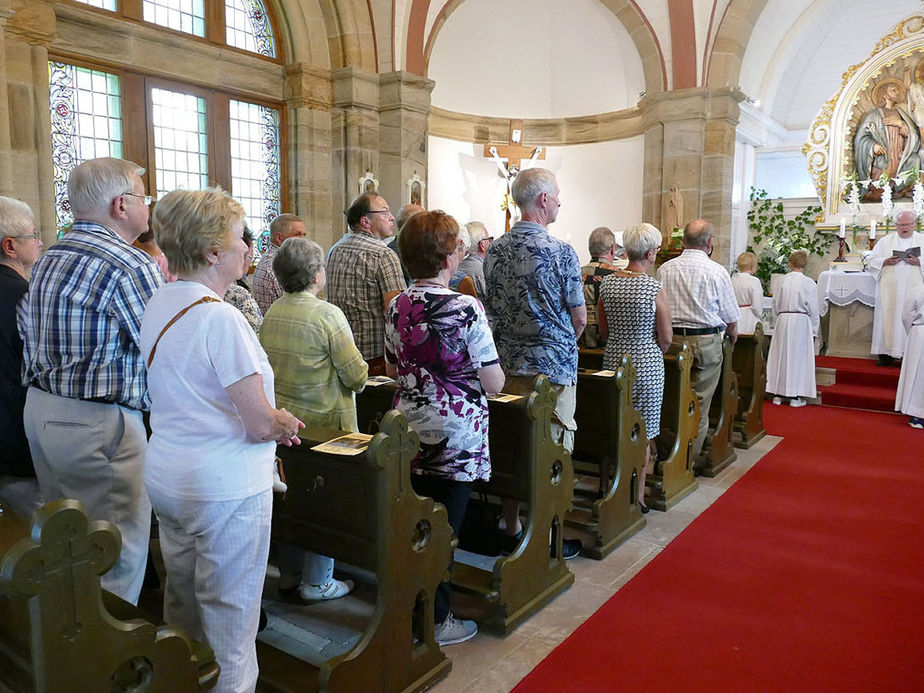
point(504, 397)
point(349, 444)
point(604, 374)
point(376, 380)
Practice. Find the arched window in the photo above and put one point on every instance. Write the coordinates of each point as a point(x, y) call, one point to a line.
point(185, 135)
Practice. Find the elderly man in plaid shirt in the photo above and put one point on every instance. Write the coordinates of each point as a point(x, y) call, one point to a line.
point(363, 275)
point(266, 288)
point(87, 380)
point(703, 306)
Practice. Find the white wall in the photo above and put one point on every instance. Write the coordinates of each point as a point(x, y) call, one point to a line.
point(529, 59)
point(601, 185)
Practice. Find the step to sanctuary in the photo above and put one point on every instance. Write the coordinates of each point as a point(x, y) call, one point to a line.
point(856, 383)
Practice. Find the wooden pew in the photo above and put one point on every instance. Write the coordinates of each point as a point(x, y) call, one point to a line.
point(361, 510)
point(526, 466)
point(59, 631)
point(590, 359)
point(748, 363)
point(610, 442)
point(673, 478)
point(718, 449)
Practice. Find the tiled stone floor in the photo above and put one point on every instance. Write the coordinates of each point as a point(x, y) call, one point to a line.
point(492, 664)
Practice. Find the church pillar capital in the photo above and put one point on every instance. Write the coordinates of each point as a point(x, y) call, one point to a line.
point(308, 87)
point(404, 117)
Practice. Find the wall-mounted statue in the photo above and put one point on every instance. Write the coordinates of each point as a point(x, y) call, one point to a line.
point(887, 140)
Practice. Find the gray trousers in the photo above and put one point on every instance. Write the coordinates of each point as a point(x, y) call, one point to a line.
point(95, 453)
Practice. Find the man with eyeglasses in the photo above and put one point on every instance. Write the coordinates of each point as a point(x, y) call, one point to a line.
point(265, 287)
point(363, 275)
point(473, 263)
point(19, 249)
point(87, 380)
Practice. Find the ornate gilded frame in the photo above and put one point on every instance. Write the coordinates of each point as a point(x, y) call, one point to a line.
point(829, 147)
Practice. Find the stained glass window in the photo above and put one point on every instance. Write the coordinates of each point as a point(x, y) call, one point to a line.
point(187, 16)
point(86, 122)
point(111, 5)
point(247, 26)
point(255, 165)
point(180, 141)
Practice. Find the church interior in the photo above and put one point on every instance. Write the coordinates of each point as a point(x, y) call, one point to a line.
point(658, 111)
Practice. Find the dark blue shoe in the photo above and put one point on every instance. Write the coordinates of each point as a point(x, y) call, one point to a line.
point(916, 422)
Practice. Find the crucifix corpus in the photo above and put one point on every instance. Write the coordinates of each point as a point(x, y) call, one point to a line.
point(508, 158)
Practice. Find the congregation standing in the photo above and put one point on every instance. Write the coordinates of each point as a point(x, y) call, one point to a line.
point(94, 334)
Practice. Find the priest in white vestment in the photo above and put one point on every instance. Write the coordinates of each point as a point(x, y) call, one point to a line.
point(895, 278)
point(910, 396)
point(748, 292)
point(791, 362)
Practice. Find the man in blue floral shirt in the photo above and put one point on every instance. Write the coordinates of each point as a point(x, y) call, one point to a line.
point(535, 303)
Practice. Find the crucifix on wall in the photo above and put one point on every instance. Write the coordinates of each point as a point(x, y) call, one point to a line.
point(508, 158)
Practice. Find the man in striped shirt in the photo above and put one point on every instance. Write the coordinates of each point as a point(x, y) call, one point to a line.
point(87, 380)
point(703, 306)
point(266, 288)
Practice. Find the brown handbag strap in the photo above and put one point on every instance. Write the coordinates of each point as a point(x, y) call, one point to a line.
point(204, 299)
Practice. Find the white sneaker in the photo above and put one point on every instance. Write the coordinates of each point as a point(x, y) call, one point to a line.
point(335, 589)
point(777, 400)
point(452, 631)
point(797, 402)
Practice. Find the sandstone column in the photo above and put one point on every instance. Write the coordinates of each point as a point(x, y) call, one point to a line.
point(405, 109)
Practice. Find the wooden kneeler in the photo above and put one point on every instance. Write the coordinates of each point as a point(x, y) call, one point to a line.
point(610, 442)
point(749, 366)
point(718, 449)
point(673, 478)
point(60, 632)
point(362, 510)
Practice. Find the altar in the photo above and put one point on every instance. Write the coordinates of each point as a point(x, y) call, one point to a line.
point(845, 302)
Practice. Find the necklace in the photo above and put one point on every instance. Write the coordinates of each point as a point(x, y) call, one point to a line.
point(429, 282)
point(632, 273)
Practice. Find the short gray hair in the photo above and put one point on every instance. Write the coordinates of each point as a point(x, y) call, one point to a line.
point(297, 263)
point(94, 184)
point(282, 223)
point(697, 233)
point(477, 232)
point(16, 218)
point(467, 243)
point(639, 239)
point(600, 241)
point(530, 184)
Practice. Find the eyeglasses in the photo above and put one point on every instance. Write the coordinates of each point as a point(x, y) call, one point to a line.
point(32, 236)
point(147, 199)
point(378, 211)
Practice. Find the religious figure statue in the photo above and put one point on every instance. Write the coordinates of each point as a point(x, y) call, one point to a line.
point(916, 95)
point(673, 218)
point(887, 140)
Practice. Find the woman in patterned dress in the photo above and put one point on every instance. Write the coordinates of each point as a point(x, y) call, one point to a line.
point(635, 318)
point(439, 348)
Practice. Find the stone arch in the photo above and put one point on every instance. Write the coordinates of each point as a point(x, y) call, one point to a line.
point(330, 34)
point(731, 41)
point(627, 11)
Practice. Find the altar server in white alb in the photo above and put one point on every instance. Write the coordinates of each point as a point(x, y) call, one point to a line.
point(910, 396)
point(895, 278)
point(791, 362)
point(748, 292)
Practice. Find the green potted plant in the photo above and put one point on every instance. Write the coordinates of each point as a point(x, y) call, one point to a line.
point(774, 236)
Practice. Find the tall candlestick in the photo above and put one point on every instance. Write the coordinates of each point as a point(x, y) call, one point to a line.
point(872, 230)
point(843, 232)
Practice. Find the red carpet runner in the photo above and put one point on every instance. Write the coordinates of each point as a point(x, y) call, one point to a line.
point(860, 384)
point(807, 575)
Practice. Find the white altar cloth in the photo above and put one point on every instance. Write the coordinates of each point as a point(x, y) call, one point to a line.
point(843, 288)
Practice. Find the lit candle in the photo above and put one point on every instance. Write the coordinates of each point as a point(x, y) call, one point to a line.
point(872, 230)
point(843, 232)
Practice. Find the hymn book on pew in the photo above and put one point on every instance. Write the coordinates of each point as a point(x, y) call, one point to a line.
point(349, 444)
point(376, 380)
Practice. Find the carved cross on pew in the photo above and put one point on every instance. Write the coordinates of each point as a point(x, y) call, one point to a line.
point(513, 154)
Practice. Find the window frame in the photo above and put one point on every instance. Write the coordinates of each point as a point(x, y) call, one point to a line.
point(137, 107)
point(131, 11)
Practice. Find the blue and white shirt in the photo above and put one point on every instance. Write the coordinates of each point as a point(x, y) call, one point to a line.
point(82, 320)
point(532, 281)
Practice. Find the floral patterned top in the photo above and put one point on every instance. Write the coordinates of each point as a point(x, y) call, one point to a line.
point(532, 282)
point(438, 339)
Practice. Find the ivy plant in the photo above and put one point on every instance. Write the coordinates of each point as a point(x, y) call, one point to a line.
point(774, 237)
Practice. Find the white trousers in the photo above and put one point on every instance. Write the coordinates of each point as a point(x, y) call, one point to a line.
point(215, 554)
point(94, 452)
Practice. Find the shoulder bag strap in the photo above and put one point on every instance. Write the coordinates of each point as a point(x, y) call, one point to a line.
point(204, 299)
